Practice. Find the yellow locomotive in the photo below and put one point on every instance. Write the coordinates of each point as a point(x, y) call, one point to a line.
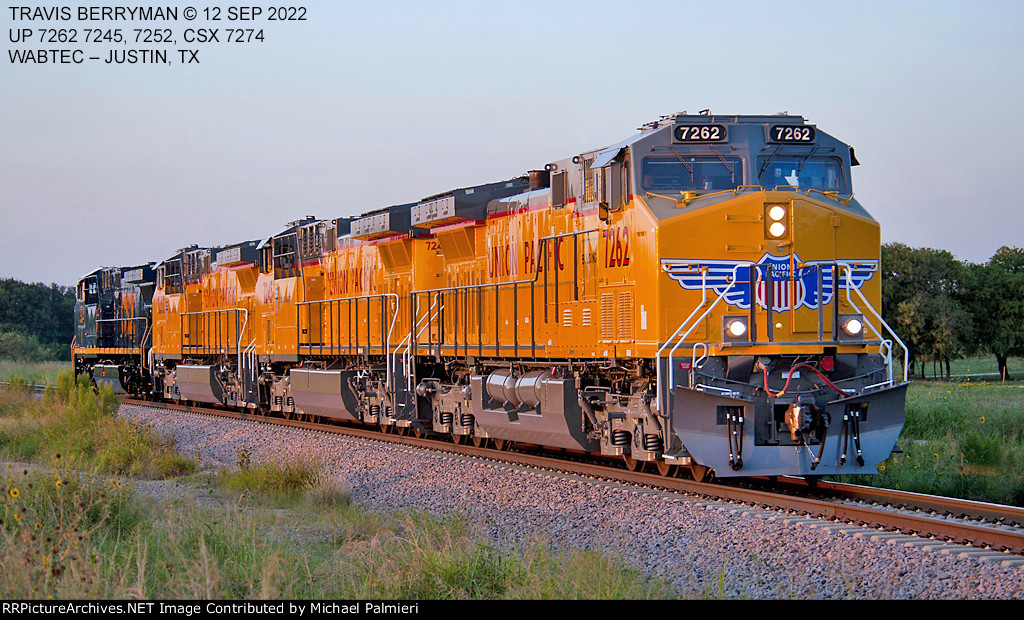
point(705, 293)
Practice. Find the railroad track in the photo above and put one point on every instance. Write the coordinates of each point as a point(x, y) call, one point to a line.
point(983, 525)
point(987, 526)
point(34, 388)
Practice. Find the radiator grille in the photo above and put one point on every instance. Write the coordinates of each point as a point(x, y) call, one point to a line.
point(607, 316)
point(626, 315)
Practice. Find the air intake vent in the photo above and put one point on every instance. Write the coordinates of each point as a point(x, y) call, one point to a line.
point(607, 316)
point(626, 315)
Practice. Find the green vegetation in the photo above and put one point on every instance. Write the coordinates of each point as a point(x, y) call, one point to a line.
point(271, 481)
point(71, 537)
point(257, 530)
point(944, 309)
point(34, 373)
point(982, 368)
point(36, 321)
point(73, 423)
point(961, 440)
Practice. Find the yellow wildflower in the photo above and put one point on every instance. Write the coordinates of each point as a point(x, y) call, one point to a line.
point(14, 492)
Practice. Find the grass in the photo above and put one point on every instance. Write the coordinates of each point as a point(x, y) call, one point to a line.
point(70, 530)
point(73, 423)
point(961, 440)
point(132, 548)
point(973, 368)
point(51, 527)
point(83, 537)
point(35, 373)
point(269, 479)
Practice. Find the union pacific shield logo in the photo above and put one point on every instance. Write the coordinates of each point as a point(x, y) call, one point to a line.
point(791, 288)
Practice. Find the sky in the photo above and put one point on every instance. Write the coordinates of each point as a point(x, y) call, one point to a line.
point(368, 104)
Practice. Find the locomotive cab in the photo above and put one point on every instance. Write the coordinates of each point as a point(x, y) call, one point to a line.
point(774, 352)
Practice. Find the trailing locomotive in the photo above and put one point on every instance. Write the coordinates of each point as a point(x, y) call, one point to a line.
point(704, 293)
point(113, 327)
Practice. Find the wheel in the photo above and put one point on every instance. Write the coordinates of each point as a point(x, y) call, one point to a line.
point(460, 439)
point(480, 442)
point(701, 473)
point(288, 415)
point(385, 428)
point(667, 470)
point(501, 445)
point(419, 433)
point(632, 464)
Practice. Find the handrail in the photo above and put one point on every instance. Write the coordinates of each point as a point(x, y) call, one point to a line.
point(849, 285)
point(663, 398)
point(142, 343)
point(427, 318)
point(671, 354)
point(694, 360)
point(386, 345)
point(833, 194)
point(690, 196)
point(679, 203)
point(663, 406)
point(704, 298)
point(238, 346)
point(241, 332)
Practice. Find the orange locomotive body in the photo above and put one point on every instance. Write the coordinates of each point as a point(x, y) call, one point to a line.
point(705, 293)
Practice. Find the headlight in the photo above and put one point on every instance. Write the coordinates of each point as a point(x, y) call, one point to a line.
point(777, 229)
point(853, 326)
point(734, 328)
point(776, 220)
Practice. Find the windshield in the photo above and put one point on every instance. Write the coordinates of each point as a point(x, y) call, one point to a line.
point(661, 174)
point(821, 173)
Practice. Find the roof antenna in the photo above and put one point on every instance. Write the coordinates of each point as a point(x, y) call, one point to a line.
point(705, 112)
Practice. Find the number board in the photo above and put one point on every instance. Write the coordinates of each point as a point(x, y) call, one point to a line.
point(699, 133)
point(791, 134)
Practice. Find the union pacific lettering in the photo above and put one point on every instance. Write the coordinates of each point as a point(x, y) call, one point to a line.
point(552, 249)
point(353, 280)
point(501, 261)
point(218, 294)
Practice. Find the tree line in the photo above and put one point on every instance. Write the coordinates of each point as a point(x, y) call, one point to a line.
point(945, 309)
point(36, 321)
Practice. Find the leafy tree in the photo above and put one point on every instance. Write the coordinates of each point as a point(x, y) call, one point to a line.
point(38, 320)
point(994, 295)
point(921, 300)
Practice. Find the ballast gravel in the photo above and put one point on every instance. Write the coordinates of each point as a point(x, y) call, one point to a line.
point(704, 547)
